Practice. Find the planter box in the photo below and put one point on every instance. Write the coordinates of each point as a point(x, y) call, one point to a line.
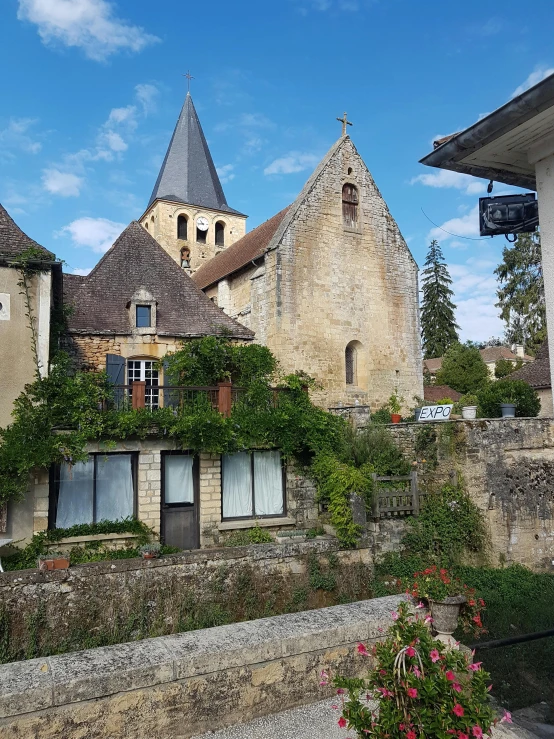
point(56, 563)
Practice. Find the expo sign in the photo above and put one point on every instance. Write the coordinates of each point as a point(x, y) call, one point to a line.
point(435, 413)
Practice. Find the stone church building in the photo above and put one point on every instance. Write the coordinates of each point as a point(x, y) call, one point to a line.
point(328, 284)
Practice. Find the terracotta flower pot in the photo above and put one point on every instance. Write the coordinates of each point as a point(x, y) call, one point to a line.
point(395, 417)
point(56, 563)
point(149, 555)
point(445, 615)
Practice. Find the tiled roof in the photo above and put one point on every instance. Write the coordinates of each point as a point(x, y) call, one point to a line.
point(432, 365)
point(433, 393)
point(136, 260)
point(14, 242)
point(536, 373)
point(188, 174)
point(494, 353)
point(240, 253)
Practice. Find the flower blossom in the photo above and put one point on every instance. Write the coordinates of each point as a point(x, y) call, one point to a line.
point(342, 722)
point(410, 652)
point(457, 687)
point(412, 692)
point(362, 650)
point(435, 656)
point(477, 731)
point(394, 616)
point(411, 734)
point(458, 710)
point(420, 605)
point(450, 676)
point(475, 666)
point(416, 671)
point(461, 735)
point(507, 717)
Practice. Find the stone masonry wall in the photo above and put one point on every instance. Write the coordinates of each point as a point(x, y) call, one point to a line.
point(326, 285)
point(89, 351)
point(508, 467)
point(187, 684)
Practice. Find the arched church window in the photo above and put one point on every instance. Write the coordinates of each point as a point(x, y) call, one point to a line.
point(182, 224)
point(146, 225)
point(350, 364)
point(349, 205)
point(220, 233)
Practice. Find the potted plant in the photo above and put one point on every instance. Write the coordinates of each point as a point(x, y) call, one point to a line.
point(150, 550)
point(508, 408)
point(450, 601)
point(415, 687)
point(395, 404)
point(468, 404)
point(53, 561)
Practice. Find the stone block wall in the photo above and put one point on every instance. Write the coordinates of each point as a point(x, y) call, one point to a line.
point(508, 467)
point(89, 352)
point(168, 687)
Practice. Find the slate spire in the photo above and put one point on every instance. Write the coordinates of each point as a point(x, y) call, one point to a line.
point(188, 174)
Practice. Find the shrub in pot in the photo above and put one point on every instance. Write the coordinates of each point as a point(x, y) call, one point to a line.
point(467, 406)
point(421, 688)
point(395, 405)
point(150, 550)
point(513, 392)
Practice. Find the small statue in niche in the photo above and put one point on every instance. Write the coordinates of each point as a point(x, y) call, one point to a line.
point(185, 258)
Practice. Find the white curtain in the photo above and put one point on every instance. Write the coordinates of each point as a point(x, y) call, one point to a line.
point(75, 497)
point(237, 485)
point(268, 484)
point(178, 483)
point(114, 487)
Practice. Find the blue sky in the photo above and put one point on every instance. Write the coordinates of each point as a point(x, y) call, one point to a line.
point(92, 90)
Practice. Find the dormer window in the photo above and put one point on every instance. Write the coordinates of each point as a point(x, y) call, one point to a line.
point(143, 316)
point(350, 206)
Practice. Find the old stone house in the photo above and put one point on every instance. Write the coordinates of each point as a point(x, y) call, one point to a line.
point(30, 289)
point(537, 374)
point(328, 284)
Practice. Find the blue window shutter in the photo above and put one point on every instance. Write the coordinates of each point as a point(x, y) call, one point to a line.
point(115, 369)
point(171, 397)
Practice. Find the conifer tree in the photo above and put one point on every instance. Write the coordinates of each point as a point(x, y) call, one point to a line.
point(438, 324)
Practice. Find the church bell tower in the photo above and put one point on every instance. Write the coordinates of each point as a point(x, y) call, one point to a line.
point(188, 213)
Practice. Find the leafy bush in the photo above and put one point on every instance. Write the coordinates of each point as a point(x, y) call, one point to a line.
point(244, 537)
point(382, 415)
point(373, 445)
point(465, 400)
point(421, 688)
point(519, 392)
point(463, 369)
point(449, 526)
point(504, 367)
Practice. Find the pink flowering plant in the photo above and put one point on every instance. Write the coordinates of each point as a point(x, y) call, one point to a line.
point(416, 688)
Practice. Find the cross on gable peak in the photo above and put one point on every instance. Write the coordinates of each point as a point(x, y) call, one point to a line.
point(345, 122)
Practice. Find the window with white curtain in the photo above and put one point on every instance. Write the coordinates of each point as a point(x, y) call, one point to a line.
point(102, 488)
point(178, 479)
point(253, 485)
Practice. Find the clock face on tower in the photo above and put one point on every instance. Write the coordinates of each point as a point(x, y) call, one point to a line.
point(202, 223)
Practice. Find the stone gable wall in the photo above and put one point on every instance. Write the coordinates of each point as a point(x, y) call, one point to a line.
point(326, 285)
point(89, 351)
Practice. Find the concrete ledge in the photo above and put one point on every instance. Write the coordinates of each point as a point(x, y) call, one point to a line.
point(251, 522)
point(274, 656)
point(93, 537)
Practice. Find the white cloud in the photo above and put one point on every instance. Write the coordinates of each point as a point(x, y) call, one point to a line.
point(97, 234)
point(445, 178)
point(226, 173)
point(534, 78)
point(322, 6)
point(293, 162)
point(86, 24)
point(83, 271)
point(16, 136)
point(478, 318)
point(467, 226)
point(65, 184)
point(147, 96)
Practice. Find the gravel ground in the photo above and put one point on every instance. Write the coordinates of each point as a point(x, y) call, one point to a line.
point(316, 721)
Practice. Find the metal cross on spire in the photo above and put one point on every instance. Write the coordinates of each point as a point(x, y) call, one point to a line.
point(189, 77)
point(345, 122)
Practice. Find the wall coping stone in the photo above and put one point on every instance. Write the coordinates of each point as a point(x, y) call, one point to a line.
point(251, 553)
point(92, 537)
point(37, 684)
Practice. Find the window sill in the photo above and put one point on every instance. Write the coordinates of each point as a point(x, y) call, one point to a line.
point(95, 537)
point(352, 230)
point(250, 522)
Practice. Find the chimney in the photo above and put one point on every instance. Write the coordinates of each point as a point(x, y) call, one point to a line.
point(518, 350)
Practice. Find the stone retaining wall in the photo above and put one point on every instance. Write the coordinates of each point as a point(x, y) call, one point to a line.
point(177, 686)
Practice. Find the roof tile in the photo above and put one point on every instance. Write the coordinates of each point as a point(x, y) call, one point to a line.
point(536, 373)
point(13, 241)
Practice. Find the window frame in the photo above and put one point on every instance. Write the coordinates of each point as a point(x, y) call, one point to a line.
point(219, 228)
point(54, 486)
point(355, 225)
point(353, 353)
point(254, 516)
point(149, 309)
point(195, 477)
point(149, 386)
point(180, 219)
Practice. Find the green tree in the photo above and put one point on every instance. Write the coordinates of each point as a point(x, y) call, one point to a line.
point(521, 292)
point(438, 324)
point(463, 369)
point(504, 367)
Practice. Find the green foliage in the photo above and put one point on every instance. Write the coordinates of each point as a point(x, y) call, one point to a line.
point(519, 392)
point(426, 448)
point(381, 415)
point(320, 579)
point(421, 688)
point(211, 359)
point(438, 324)
point(468, 399)
point(503, 367)
point(449, 527)
point(463, 369)
point(521, 292)
point(243, 537)
point(373, 445)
